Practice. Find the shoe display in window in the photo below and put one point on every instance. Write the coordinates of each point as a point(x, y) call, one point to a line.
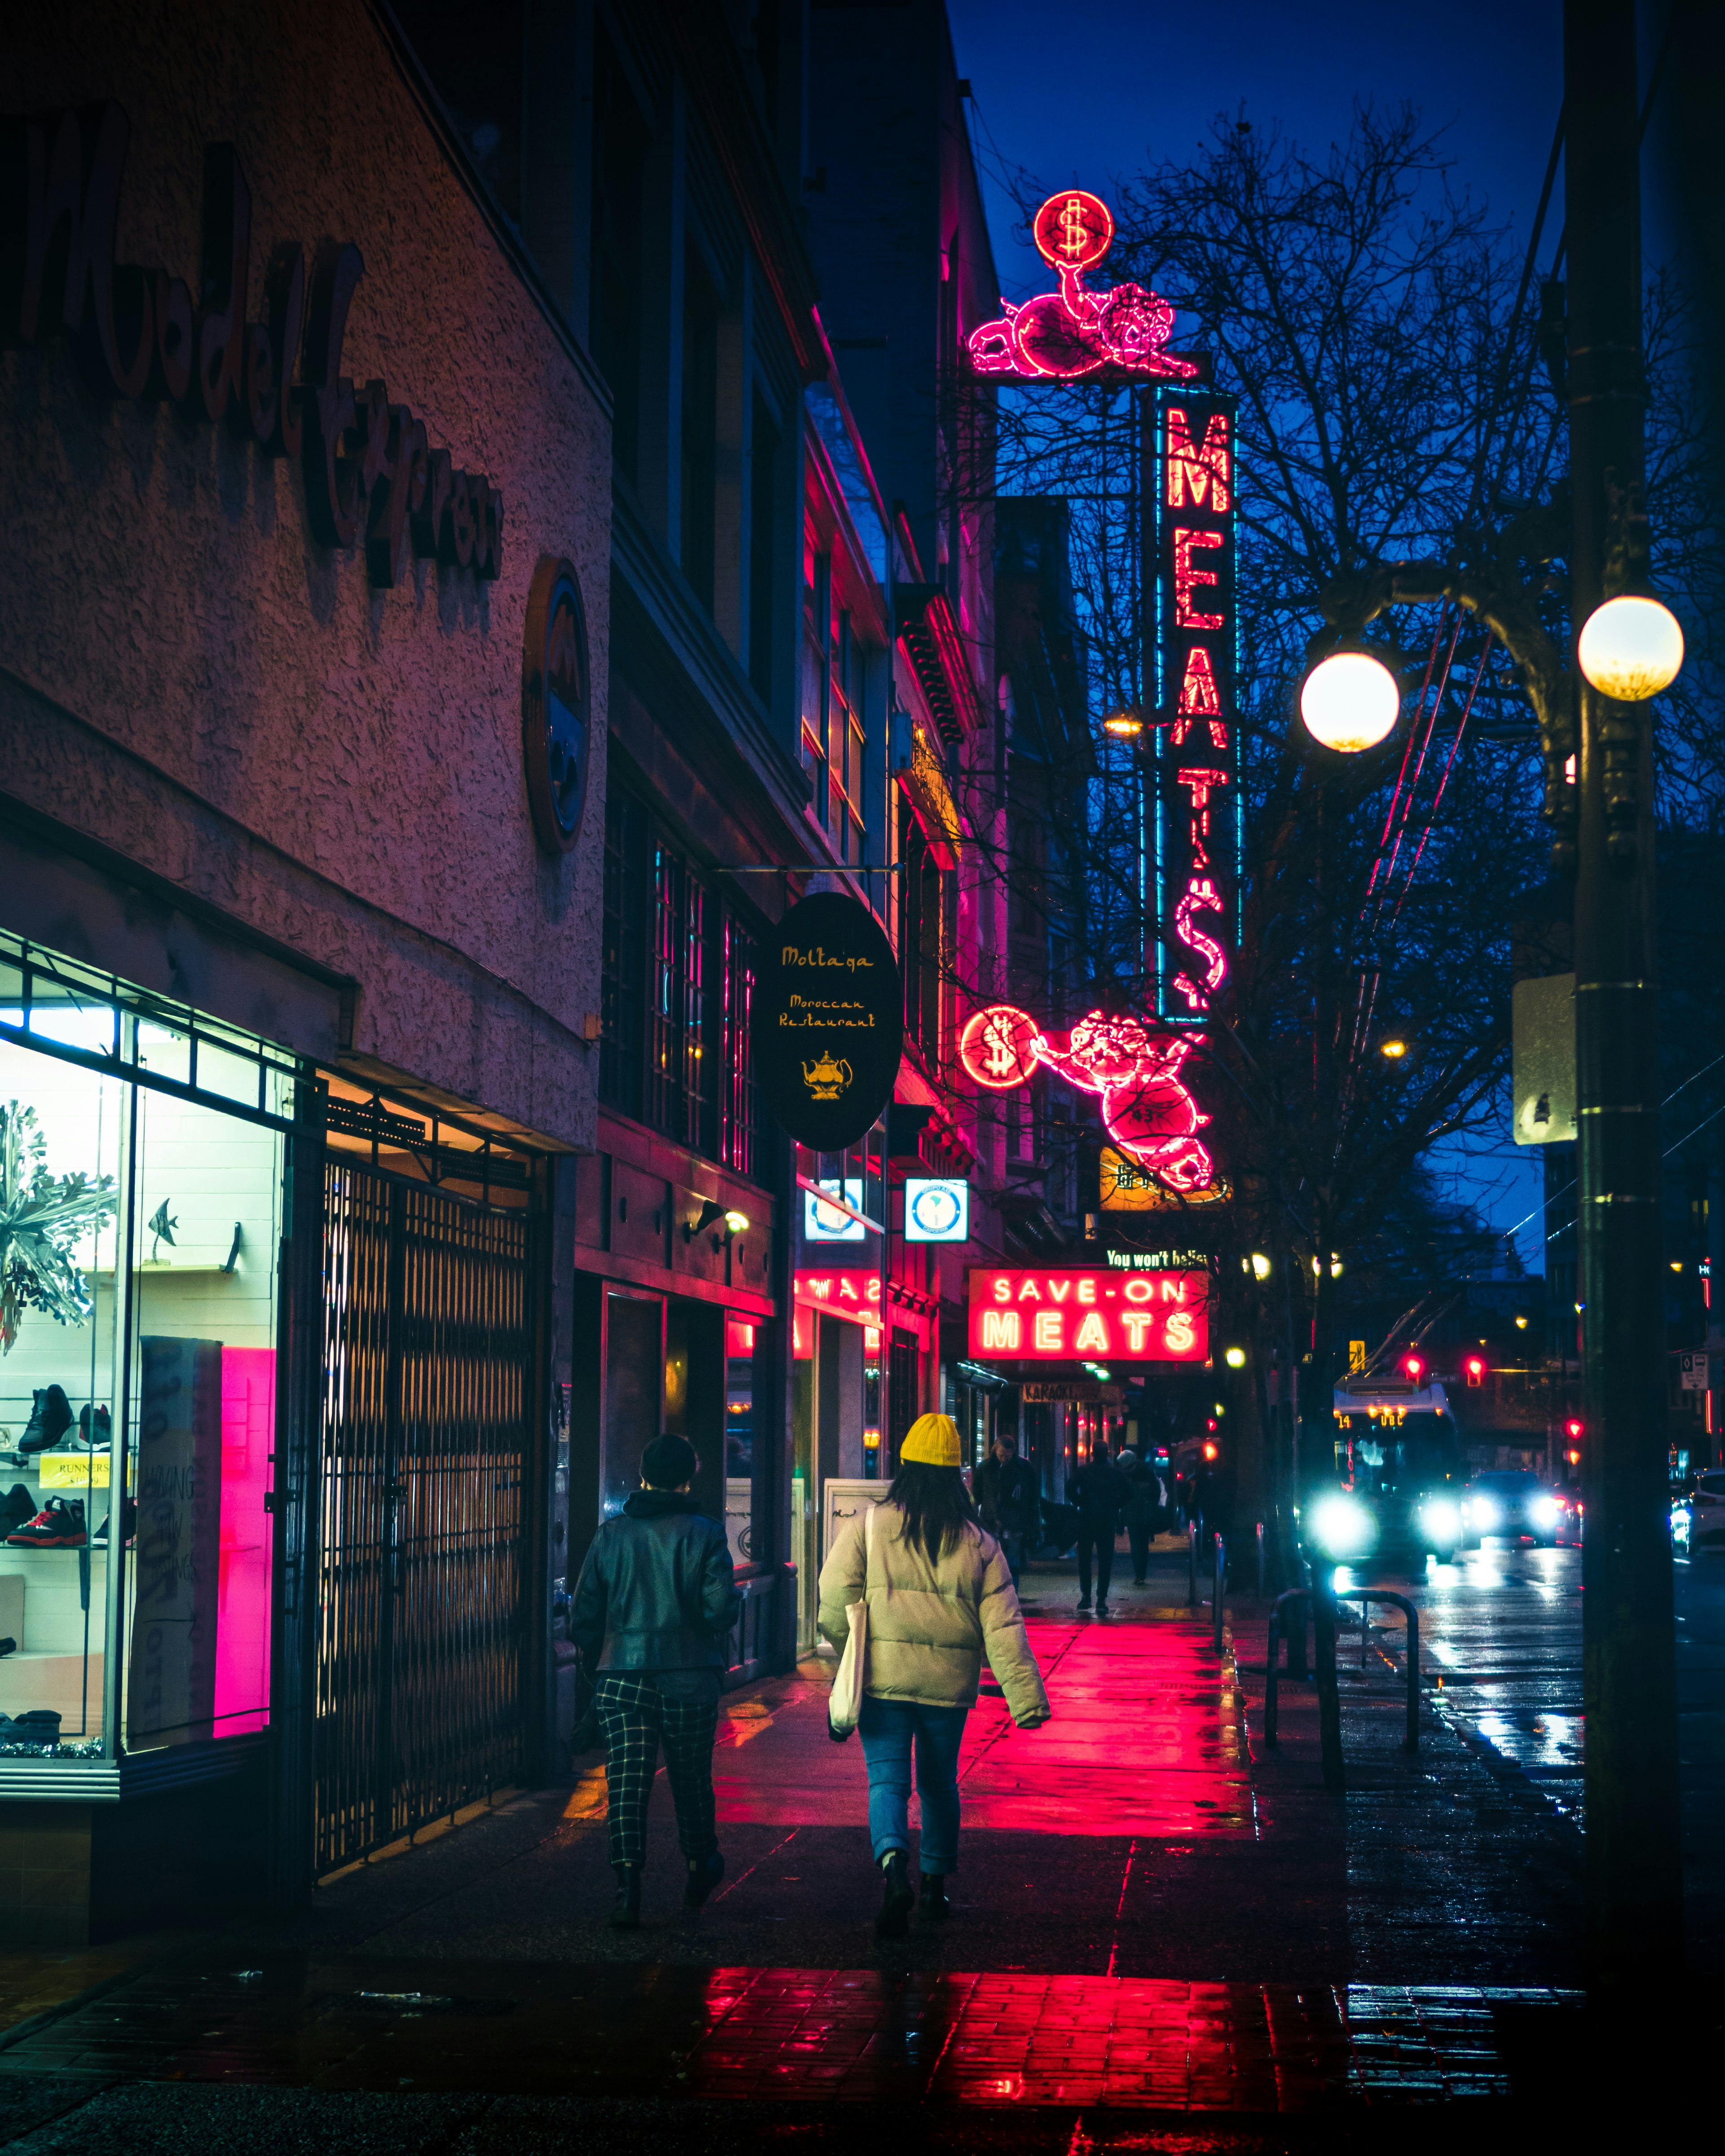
point(17, 1506)
point(129, 1515)
point(50, 1418)
point(40, 1726)
point(59, 1525)
point(95, 1431)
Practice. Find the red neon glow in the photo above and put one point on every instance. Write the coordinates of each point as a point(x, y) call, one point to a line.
point(1073, 231)
point(998, 1047)
point(245, 1543)
point(1186, 579)
point(1200, 897)
point(1200, 784)
point(1149, 1112)
point(1199, 698)
point(1054, 1316)
point(1204, 470)
point(1064, 336)
point(850, 1291)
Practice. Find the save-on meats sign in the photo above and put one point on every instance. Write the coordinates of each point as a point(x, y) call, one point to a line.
point(1083, 1315)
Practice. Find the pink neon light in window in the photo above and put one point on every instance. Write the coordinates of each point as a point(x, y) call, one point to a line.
point(1199, 698)
point(246, 1541)
point(1204, 470)
point(1186, 578)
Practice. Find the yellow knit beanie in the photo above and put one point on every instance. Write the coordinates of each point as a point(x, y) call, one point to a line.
point(932, 1441)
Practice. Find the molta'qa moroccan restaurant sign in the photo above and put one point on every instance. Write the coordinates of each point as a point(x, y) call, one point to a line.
point(828, 1021)
point(372, 478)
point(1083, 1315)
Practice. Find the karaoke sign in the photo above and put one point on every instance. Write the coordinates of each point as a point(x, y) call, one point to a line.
point(1194, 809)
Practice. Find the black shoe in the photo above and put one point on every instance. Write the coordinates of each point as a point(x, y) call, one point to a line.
point(933, 1896)
point(50, 1418)
point(896, 1904)
point(1084, 1602)
point(1102, 1609)
point(95, 1431)
point(40, 1726)
point(626, 1917)
point(18, 1508)
point(705, 1873)
point(9, 1645)
point(129, 1515)
point(59, 1525)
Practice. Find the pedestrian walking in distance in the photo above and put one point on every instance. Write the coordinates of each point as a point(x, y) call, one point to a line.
point(1098, 1490)
point(939, 1596)
point(1143, 1508)
point(1008, 1499)
point(654, 1604)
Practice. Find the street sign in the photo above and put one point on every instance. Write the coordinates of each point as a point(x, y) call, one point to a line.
point(825, 1224)
point(1692, 1373)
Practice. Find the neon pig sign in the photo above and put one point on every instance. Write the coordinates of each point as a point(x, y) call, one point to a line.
point(1189, 565)
point(1149, 1112)
point(1062, 1315)
point(1074, 334)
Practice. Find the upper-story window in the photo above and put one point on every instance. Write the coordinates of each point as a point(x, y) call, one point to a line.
point(835, 727)
point(927, 903)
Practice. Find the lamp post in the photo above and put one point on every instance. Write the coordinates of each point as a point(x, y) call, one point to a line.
point(1628, 649)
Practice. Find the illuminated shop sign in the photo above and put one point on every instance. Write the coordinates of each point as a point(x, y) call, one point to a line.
point(937, 1209)
point(1146, 1107)
point(1075, 334)
point(1076, 1316)
point(847, 1290)
point(1195, 806)
point(825, 1224)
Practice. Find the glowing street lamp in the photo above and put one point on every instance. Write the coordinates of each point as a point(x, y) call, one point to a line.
point(1124, 725)
point(1234, 1357)
point(1350, 702)
point(1395, 1049)
point(1631, 649)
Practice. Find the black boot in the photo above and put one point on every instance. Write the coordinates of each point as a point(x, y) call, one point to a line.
point(50, 1418)
point(894, 1916)
point(705, 1873)
point(626, 1917)
point(933, 1896)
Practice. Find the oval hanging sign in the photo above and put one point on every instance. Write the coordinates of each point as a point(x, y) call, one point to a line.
point(828, 1023)
point(556, 722)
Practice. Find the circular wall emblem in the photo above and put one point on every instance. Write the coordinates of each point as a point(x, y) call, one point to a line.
point(935, 1210)
point(998, 1047)
point(1074, 230)
point(557, 728)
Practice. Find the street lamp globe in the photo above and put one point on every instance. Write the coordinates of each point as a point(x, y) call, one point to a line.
point(1631, 649)
point(1350, 702)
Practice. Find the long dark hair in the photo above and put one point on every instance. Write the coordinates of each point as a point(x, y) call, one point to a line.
point(936, 1507)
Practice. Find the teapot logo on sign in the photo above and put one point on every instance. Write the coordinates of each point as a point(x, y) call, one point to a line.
point(828, 1021)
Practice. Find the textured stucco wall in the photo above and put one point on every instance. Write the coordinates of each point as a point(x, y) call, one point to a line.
point(186, 675)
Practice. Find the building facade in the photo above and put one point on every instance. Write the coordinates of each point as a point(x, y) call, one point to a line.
point(303, 674)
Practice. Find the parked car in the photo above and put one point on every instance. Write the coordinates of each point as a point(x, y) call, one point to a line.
point(1512, 1503)
point(1698, 1510)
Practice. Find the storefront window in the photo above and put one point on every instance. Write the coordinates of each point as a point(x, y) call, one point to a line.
point(143, 1156)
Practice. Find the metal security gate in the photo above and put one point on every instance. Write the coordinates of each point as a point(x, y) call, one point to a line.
point(420, 1616)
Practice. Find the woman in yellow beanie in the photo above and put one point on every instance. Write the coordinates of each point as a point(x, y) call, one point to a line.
point(940, 1596)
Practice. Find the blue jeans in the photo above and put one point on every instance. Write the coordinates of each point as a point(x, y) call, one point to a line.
point(886, 1727)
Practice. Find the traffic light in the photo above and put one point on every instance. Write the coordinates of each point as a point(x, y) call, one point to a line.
point(1476, 1370)
point(1212, 1450)
point(1572, 1430)
point(1414, 1366)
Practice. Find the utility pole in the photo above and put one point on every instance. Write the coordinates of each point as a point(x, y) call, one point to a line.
point(1634, 1865)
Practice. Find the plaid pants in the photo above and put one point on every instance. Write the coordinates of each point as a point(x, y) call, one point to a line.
point(635, 1717)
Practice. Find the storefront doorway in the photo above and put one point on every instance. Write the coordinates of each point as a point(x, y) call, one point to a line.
point(430, 1406)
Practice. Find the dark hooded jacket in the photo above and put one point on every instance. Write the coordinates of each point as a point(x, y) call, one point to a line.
point(657, 1591)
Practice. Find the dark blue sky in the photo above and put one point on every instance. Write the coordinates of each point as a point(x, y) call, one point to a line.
point(1089, 89)
point(1082, 91)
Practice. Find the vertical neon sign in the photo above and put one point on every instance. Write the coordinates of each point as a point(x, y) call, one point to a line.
point(1189, 488)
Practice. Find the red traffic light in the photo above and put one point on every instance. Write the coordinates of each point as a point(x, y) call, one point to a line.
point(1212, 1451)
point(1476, 1370)
point(1573, 1429)
point(1412, 1365)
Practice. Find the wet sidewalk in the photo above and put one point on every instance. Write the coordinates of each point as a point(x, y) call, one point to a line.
point(1154, 1915)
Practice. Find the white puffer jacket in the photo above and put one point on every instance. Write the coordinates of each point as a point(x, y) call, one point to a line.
point(930, 1623)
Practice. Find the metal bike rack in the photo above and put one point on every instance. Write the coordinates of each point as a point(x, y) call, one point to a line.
point(1363, 1596)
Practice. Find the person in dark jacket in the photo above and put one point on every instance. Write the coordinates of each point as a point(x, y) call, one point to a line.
point(1098, 1490)
point(1143, 1508)
point(655, 1602)
point(1008, 1498)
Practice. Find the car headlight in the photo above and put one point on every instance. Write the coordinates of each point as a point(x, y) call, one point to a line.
point(1482, 1512)
point(1545, 1512)
point(1341, 1525)
point(1441, 1520)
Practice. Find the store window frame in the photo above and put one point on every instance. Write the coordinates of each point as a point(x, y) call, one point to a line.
point(218, 1051)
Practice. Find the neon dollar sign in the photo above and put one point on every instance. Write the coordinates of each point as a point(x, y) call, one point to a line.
point(1201, 896)
point(1001, 1059)
point(1075, 239)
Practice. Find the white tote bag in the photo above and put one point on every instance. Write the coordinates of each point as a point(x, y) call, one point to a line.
point(844, 1704)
